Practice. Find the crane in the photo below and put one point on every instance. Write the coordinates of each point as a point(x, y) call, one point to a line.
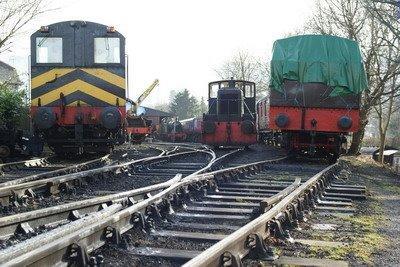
point(143, 96)
point(137, 126)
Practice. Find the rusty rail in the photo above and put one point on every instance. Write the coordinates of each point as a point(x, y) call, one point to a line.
point(27, 221)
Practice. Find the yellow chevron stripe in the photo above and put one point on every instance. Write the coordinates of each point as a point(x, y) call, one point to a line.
point(107, 76)
point(75, 103)
point(49, 76)
point(81, 86)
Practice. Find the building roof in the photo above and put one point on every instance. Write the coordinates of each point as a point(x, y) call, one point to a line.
point(9, 75)
point(389, 152)
point(151, 112)
point(6, 66)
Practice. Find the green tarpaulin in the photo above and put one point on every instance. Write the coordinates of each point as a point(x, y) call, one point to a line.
point(327, 59)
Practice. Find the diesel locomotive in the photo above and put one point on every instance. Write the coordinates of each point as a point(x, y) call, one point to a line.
point(78, 86)
point(231, 116)
point(316, 84)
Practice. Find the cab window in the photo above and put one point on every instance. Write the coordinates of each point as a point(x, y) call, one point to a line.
point(107, 50)
point(49, 50)
point(214, 90)
point(249, 90)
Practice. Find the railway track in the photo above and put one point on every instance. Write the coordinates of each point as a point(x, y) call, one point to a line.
point(26, 190)
point(20, 226)
point(116, 209)
point(28, 170)
point(226, 213)
point(31, 163)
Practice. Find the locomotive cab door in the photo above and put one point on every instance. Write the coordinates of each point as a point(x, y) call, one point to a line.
point(249, 100)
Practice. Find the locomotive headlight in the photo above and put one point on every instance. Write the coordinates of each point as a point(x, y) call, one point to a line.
point(111, 29)
point(44, 118)
point(110, 118)
point(44, 29)
point(345, 122)
point(281, 120)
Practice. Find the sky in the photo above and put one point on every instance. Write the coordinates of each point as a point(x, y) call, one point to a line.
point(179, 42)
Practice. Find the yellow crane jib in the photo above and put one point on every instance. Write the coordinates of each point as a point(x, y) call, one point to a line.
point(143, 96)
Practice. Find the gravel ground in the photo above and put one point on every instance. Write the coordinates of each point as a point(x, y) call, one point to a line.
point(257, 152)
point(371, 234)
point(382, 210)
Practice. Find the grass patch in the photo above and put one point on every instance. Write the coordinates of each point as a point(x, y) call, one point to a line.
point(364, 241)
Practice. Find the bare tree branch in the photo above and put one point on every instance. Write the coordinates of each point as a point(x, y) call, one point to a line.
point(14, 15)
point(352, 19)
point(243, 66)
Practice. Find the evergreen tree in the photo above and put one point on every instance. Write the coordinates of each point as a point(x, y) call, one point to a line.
point(183, 105)
point(203, 106)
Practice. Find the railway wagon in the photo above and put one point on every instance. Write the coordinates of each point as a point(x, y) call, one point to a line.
point(170, 131)
point(78, 86)
point(316, 84)
point(231, 116)
point(192, 128)
point(137, 128)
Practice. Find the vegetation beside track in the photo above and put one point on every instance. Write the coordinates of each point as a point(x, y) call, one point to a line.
point(370, 240)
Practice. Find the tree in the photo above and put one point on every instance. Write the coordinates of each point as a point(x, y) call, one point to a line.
point(387, 12)
point(351, 19)
point(12, 107)
point(203, 108)
point(243, 66)
point(14, 15)
point(183, 105)
point(384, 110)
point(162, 106)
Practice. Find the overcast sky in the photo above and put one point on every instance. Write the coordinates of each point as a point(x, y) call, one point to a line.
point(180, 42)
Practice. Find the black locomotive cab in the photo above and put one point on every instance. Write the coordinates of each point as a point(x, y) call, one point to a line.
point(231, 100)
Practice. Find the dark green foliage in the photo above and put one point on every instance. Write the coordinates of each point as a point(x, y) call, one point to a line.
point(13, 111)
point(183, 105)
point(203, 107)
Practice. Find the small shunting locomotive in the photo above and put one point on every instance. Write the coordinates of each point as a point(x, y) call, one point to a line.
point(231, 116)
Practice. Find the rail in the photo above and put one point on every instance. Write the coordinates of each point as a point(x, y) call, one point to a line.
point(28, 163)
point(52, 184)
point(93, 233)
point(252, 236)
point(65, 170)
point(25, 222)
